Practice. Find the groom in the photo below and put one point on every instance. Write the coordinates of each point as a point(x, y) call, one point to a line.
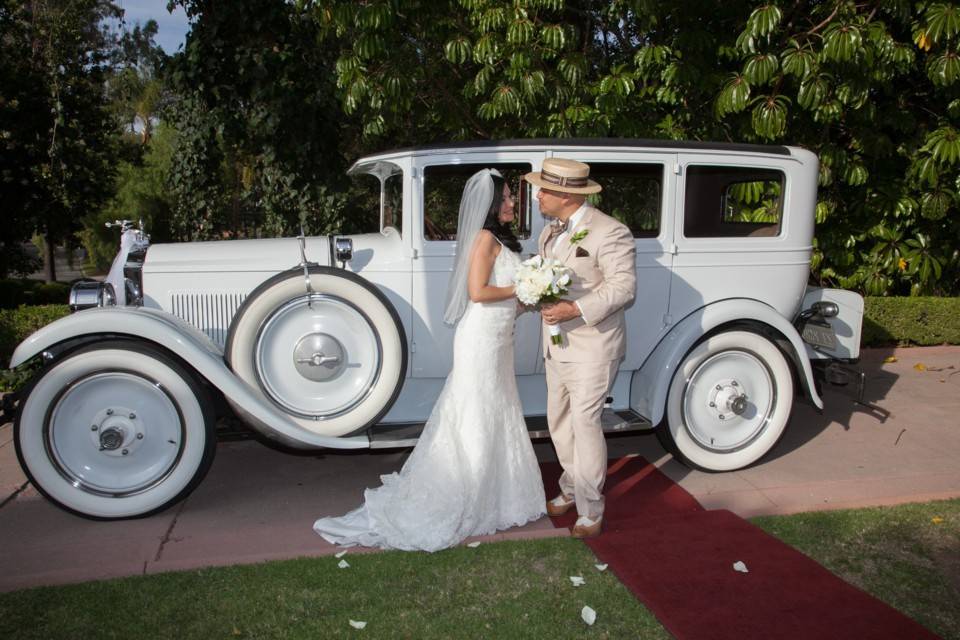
point(580, 371)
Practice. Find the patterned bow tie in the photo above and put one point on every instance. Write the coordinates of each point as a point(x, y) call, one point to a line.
point(558, 227)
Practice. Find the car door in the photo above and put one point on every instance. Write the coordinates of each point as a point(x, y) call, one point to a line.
point(638, 189)
point(438, 185)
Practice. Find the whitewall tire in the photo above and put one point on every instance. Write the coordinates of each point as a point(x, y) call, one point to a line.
point(116, 429)
point(332, 358)
point(729, 402)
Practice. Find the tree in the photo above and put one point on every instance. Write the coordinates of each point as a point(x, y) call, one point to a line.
point(55, 125)
point(258, 123)
point(870, 87)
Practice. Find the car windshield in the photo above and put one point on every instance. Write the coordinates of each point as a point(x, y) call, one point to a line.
point(375, 198)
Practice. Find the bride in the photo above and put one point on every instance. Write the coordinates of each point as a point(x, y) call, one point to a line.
point(473, 470)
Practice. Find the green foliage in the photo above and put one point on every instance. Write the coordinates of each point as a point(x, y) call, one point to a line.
point(16, 325)
point(258, 145)
point(140, 193)
point(14, 293)
point(55, 146)
point(871, 88)
point(911, 321)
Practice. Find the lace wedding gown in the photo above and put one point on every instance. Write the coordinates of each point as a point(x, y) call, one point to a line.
point(473, 470)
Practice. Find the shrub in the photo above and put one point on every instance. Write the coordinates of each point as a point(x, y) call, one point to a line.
point(17, 324)
point(911, 321)
point(54, 293)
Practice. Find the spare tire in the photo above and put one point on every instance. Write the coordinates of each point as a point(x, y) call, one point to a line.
point(332, 357)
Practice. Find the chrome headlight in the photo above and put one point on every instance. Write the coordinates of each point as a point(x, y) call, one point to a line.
point(90, 294)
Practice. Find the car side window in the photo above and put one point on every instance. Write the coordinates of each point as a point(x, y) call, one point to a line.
point(733, 202)
point(632, 193)
point(443, 188)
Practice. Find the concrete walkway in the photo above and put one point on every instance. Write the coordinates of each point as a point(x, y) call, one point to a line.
point(259, 504)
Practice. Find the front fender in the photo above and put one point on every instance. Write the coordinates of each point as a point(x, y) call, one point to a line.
point(196, 350)
point(651, 382)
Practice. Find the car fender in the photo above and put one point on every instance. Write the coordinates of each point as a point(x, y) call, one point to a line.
point(651, 382)
point(195, 349)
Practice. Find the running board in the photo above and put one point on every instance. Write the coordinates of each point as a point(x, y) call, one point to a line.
point(406, 435)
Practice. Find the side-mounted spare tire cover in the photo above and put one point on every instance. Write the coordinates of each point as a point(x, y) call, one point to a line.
point(332, 356)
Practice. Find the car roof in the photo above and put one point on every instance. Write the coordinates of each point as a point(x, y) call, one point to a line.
point(560, 143)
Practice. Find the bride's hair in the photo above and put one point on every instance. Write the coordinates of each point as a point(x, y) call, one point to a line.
point(503, 232)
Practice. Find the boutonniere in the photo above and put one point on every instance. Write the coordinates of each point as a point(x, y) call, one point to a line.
point(579, 235)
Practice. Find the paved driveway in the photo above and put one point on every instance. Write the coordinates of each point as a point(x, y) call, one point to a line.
point(259, 504)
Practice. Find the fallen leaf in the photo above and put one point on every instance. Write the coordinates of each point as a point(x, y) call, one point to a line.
point(889, 359)
point(601, 567)
point(920, 366)
point(739, 566)
point(577, 581)
point(936, 520)
point(474, 545)
point(341, 554)
point(589, 615)
point(237, 632)
point(358, 624)
point(343, 564)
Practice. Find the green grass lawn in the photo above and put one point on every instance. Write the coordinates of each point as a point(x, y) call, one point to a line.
point(908, 556)
point(504, 590)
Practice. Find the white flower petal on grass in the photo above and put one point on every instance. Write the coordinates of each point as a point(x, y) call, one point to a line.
point(577, 581)
point(601, 567)
point(358, 624)
point(341, 554)
point(589, 615)
point(739, 566)
point(343, 564)
point(474, 545)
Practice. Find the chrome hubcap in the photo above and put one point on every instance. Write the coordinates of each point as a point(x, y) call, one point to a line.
point(104, 447)
point(319, 357)
point(728, 400)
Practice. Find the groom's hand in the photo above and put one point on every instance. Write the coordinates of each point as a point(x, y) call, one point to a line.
point(560, 312)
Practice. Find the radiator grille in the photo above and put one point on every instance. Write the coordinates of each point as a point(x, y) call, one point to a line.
point(209, 312)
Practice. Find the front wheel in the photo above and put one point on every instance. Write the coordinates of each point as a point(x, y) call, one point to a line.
point(115, 430)
point(729, 402)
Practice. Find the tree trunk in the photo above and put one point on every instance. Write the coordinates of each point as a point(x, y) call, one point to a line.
point(49, 267)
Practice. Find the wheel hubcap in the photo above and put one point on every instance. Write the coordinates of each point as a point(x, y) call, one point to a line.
point(728, 400)
point(317, 356)
point(97, 439)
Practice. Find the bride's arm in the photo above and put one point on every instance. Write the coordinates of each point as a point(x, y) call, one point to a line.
point(485, 251)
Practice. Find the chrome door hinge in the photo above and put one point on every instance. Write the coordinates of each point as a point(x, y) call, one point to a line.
point(413, 347)
point(672, 249)
point(676, 168)
point(667, 319)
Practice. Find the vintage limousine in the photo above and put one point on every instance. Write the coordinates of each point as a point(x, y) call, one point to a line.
point(339, 342)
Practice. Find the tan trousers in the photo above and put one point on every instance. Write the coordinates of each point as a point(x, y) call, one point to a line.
point(576, 392)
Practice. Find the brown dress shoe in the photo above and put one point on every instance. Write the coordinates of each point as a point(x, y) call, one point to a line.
point(587, 530)
point(560, 505)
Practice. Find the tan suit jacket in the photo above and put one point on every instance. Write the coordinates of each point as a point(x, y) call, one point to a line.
point(602, 283)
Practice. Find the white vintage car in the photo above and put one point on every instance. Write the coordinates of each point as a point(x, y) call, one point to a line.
point(339, 341)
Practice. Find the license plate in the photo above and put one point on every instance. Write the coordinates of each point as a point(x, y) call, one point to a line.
point(820, 336)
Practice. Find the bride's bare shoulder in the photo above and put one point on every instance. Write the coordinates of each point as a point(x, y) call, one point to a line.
point(486, 243)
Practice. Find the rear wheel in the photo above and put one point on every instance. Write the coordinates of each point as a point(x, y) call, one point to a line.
point(332, 358)
point(729, 402)
point(115, 430)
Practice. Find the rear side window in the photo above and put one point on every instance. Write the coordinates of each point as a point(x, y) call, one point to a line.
point(632, 194)
point(732, 202)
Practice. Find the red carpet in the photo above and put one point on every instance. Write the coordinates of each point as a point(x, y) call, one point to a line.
point(678, 560)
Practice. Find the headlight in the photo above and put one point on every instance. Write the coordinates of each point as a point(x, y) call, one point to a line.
point(90, 294)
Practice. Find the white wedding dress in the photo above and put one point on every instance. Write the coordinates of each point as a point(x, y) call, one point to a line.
point(473, 470)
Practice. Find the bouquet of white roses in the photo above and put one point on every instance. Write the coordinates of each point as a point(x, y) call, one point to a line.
point(542, 281)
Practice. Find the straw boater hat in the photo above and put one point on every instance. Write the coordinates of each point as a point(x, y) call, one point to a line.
point(560, 174)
